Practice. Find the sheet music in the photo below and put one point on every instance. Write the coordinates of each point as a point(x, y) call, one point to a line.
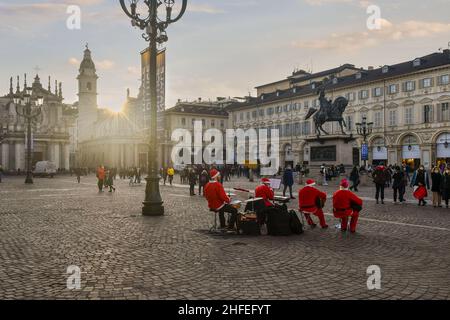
point(275, 184)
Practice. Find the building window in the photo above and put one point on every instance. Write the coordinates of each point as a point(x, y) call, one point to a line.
point(203, 122)
point(378, 122)
point(363, 94)
point(427, 114)
point(254, 114)
point(377, 92)
point(270, 111)
point(409, 115)
point(392, 89)
point(287, 129)
point(350, 96)
point(241, 116)
point(213, 123)
point(285, 108)
point(416, 62)
point(444, 80)
point(306, 128)
point(261, 112)
point(392, 118)
point(426, 83)
point(298, 130)
point(306, 105)
point(248, 115)
point(409, 86)
point(193, 121)
point(350, 123)
point(183, 121)
point(235, 118)
point(445, 112)
point(222, 124)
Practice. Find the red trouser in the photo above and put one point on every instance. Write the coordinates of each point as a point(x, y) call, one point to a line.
point(353, 222)
point(319, 214)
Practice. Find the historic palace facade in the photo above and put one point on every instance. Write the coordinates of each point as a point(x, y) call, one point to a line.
point(408, 104)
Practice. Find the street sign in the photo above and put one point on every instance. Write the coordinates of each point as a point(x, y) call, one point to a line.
point(365, 152)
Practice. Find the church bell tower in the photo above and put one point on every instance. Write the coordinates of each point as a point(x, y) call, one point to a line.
point(87, 97)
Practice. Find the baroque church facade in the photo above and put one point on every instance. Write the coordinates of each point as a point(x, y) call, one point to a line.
point(50, 132)
point(115, 140)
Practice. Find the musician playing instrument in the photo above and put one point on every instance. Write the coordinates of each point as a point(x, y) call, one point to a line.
point(311, 201)
point(218, 201)
point(346, 204)
point(266, 192)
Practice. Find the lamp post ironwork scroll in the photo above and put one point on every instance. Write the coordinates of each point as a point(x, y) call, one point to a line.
point(364, 129)
point(155, 33)
point(30, 111)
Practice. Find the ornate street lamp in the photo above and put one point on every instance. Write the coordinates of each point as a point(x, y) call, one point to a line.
point(364, 129)
point(30, 111)
point(155, 33)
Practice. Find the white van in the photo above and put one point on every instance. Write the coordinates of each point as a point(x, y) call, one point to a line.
point(45, 169)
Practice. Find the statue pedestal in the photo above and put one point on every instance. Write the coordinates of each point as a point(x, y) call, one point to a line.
point(331, 150)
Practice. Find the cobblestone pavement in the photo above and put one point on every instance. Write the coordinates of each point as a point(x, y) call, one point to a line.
point(55, 223)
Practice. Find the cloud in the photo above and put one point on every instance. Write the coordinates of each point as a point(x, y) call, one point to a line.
point(324, 2)
point(389, 32)
point(204, 8)
point(105, 64)
point(134, 71)
point(74, 62)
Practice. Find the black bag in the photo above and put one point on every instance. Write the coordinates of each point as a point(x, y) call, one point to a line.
point(250, 228)
point(278, 223)
point(356, 207)
point(296, 225)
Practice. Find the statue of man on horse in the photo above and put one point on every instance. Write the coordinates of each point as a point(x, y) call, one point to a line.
point(328, 112)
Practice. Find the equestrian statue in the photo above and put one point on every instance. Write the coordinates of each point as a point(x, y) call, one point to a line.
point(328, 112)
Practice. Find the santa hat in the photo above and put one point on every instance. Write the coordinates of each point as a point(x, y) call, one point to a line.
point(310, 183)
point(265, 180)
point(214, 173)
point(344, 184)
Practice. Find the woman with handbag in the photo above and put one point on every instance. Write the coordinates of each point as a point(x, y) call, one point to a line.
point(421, 183)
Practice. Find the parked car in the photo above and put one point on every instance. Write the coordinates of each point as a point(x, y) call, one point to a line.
point(45, 169)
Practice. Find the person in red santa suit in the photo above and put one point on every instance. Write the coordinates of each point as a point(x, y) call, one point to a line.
point(346, 204)
point(218, 200)
point(311, 201)
point(266, 192)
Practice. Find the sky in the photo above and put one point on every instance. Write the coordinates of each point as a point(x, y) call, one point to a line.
point(219, 48)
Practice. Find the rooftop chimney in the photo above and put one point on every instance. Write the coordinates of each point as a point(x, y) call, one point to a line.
point(370, 68)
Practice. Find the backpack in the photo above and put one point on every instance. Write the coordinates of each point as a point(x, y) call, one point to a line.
point(278, 222)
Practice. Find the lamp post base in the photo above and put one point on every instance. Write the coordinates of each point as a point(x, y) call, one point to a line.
point(153, 204)
point(28, 180)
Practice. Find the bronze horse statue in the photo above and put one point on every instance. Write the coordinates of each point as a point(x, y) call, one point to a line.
point(328, 112)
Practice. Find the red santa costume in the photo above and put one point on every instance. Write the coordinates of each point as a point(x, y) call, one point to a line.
point(344, 202)
point(218, 200)
point(265, 191)
point(308, 199)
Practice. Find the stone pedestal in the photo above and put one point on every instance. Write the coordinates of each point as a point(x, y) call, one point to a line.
point(331, 150)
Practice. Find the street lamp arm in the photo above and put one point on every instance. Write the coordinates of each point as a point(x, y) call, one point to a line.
point(125, 9)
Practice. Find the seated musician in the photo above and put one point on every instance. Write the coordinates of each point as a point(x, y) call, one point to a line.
point(266, 192)
point(311, 201)
point(218, 200)
point(346, 204)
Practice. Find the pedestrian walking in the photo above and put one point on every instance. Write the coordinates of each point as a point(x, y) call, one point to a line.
point(110, 181)
point(324, 173)
point(1, 173)
point(436, 183)
point(354, 178)
point(379, 176)
point(170, 174)
point(288, 181)
point(78, 174)
point(192, 178)
point(202, 181)
point(421, 183)
point(445, 186)
point(100, 178)
point(399, 181)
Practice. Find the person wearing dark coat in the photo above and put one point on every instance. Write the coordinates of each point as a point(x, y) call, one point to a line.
point(436, 181)
point(421, 179)
point(354, 178)
point(202, 181)
point(445, 186)
point(399, 181)
point(288, 181)
point(192, 179)
point(379, 176)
